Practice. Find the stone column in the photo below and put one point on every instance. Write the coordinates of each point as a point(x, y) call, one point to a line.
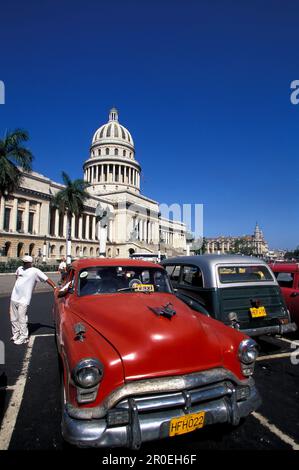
point(26, 216)
point(145, 230)
point(2, 212)
point(140, 229)
point(113, 173)
point(87, 227)
point(36, 219)
point(73, 225)
point(93, 227)
point(56, 228)
point(80, 228)
point(14, 213)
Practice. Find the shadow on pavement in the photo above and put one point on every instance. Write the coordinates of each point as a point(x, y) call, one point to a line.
point(33, 327)
point(3, 385)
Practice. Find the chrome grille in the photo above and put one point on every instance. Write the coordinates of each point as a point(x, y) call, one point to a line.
point(183, 399)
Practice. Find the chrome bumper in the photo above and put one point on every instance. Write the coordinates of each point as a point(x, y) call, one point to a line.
point(220, 401)
point(272, 330)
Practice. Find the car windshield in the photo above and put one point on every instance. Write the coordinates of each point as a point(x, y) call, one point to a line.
point(122, 279)
point(250, 273)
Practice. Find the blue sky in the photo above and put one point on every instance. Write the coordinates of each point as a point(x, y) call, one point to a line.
point(203, 86)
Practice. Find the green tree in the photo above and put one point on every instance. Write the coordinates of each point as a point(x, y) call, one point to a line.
point(70, 201)
point(241, 246)
point(14, 158)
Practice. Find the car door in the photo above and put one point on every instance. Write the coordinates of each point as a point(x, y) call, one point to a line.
point(60, 300)
point(293, 299)
point(289, 284)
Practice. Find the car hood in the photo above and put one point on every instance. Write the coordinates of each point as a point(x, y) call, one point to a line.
point(148, 344)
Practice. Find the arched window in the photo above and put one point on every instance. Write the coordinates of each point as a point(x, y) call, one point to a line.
point(97, 252)
point(20, 250)
point(77, 251)
point(61, 250)
point(107, 151)
point(116, 151)
point(124, 153)
point(52, 249)
point(91, 252)
point(7, 248)
point(99, 152)
point(84, 251)
point(31, 249)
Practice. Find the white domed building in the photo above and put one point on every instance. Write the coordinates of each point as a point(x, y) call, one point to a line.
point(29, 224)
point(112, 165)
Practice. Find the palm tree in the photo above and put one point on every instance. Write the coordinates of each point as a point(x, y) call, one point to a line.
point(13, 159)
point(70, 200)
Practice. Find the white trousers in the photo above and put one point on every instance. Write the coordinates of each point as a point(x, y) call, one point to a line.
point(19, 319)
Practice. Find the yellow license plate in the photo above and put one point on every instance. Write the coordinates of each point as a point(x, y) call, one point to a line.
point(144, 288)
point(186, 423)
point(257, 312)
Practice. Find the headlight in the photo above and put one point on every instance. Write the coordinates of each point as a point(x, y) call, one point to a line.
point(248, 351)
point(248, 354)
point(87, 373)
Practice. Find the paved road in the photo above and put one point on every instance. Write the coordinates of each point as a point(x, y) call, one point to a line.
point(32, 419)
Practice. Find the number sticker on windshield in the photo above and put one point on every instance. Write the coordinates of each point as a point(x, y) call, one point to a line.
point(143, 287)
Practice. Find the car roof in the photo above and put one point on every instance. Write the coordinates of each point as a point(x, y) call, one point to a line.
point(208, 263)
point(285, 267)
point(90, 262)
point(209, 260)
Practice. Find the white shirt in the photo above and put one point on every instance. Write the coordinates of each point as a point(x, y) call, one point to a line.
point(25, 283)
point(62, 266)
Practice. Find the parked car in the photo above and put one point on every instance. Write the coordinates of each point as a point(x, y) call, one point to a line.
point(240, 291)
point(137, 364)
point(287, 275)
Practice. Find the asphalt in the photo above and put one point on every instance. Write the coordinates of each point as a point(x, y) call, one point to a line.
point(37, 425)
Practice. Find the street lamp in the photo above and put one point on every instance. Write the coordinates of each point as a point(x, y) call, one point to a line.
point(161, 238)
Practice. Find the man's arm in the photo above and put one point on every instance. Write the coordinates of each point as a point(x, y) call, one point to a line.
point(51, 283)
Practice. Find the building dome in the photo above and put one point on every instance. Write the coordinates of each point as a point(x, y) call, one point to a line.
point(111, 165)
point(112, 132)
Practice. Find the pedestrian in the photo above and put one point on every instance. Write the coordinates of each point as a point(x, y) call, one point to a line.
point(62, 269)
point(26, 279)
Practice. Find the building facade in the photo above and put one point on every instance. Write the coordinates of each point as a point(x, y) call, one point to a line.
point(255, 242)
point(29, 224)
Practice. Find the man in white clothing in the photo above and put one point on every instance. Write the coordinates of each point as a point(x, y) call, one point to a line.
point(62, 269)
point(27, 277)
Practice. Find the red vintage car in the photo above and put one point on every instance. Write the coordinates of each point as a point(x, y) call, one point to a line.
point(287, 275)
point(137, 364)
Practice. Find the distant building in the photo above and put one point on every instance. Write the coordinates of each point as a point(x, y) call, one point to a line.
point(227, 244)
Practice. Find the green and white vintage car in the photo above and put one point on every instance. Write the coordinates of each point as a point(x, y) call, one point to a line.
point(240, 291)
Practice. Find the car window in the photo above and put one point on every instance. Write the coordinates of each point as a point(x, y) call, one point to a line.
point(249, 273)
point(121, 279)
point(285, 279)
point(192, 276)
point(173, 272)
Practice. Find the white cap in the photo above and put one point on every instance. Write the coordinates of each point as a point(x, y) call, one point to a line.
point(27, 259)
